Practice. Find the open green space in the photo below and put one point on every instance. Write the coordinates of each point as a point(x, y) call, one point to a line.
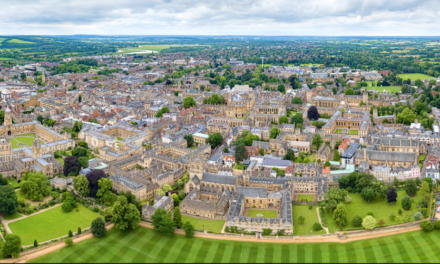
point(19, 41)
point(353, 132)
point(265, 213)
point(5, 59)
point(11, 216)
point(379, 207)
point(390, 89)
point(215, 226)
point(147, 48)
point(422, 157)
point(2, 39)
point(305, 197)
point(414, 76)
point(52, 224)
point(61, 160)
point(23, 141)
point(14, 183)
point(144, 245)
point(311, 217)
point(338, 131)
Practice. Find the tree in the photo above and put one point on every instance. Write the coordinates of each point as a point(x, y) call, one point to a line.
point(392, 195)
point(407, 116)
point(35, 243)
point(71, 164)
point(40, 119)
point(12, 245)
point(104, 192)
point(417, 216)
point(93, 177)
point(35, 185)
point(177, 217)
point(189, 140)
point(437, 224)
point(336, 156)
point(80, 152)
point(70, 233)
point(83, 144)
point(69, 203)
point(267, 231)
point(369, 222)
point(410, 187)
point(68, 241)
point(79, 230)
point(340, 216)
point(215, 139)
point(23, 75)
point(123, 214)
point(8, 199)
point(297, 100)
point(166, 188)
point(406, 202)
point(428, 180)
point(274, 132)
point(240, 152)
point(327, 164)
point(312, 113)
point(368, 194)
point(381, 222)
point(426, 225)
point(188, 102)
point(283, 120)
point(317, 140)
point(281, 88)
point(297, 119)
point(98, 227)
point(349, 91)
point(81, 184)
point(319, 124)
point(189, 229)
point(162, 222)
point(317, 227)
point(333, 197)
point(301, 219)
point(396, 182)
point(357, 221)
point(424, 190)
point(83, 162)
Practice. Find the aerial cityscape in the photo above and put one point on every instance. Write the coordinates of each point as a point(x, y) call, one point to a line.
point(184, 131)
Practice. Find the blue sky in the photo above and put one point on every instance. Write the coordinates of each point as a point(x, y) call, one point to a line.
point(221, 17)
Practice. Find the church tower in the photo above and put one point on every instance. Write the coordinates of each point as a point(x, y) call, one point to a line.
point(365, 98)
point(43, 77)
point(36, 148)
point(8, 117)
point(196, 167)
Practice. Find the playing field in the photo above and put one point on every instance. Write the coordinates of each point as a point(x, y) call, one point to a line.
point(52, 224)
point(19, 41)
point(390, 89)
point(414, 76)
point(265, 213)
point(305, 197)
point(215, 226)
point(5, 59)
point(23, 141)
point(144, 49)
point(144, 245)
point(311, 217)
point(379, 207)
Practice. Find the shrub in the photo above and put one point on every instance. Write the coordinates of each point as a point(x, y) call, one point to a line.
point(317, 227)
point(418, 216)
point(437, 224)
point(400, 211)
point(406, 202)
point(370, 213)
point(398, 219)
point(310, 206)
point(301, 219)
point(79, 230)
point(381, 222)
point(68, 241)
point(347, 199)
point(424, 212)
point(369, 222)
point(357, 221)
point(392, 217)
point(426, 225)
point(70, 233)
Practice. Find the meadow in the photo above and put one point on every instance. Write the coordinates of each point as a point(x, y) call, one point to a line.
point(390, 89)
point(19, 41)
point(147, 48)
point(311, 217)
point(415, 76)
point(52, 224)
point(378, 206)
point(144, 245)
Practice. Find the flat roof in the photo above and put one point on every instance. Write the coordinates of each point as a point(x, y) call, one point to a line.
point(201, 135)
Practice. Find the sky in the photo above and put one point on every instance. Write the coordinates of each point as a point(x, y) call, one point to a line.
point(221, 17)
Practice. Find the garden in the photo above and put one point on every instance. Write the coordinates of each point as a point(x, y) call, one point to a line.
point(304, 219)
point(265, 213)
point(23, 141)
point(214, 226)
point(305, 197)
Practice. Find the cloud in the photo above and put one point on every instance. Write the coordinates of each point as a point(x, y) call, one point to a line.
point(221, 17)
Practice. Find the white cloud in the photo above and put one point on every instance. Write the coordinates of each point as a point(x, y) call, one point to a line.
point(221, 17)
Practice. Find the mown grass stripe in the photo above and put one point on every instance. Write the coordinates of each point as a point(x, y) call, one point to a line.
point(194, 251)
point(316, 253)
point(308, 255)
point(385, 251)
point(342, 254)
point(219, 253)
point(211, 252)
point(292, 254)
point(434, 247)
point(164, 251)
point(407, 242)
point(238, 248)
point(261, 253)
point(139, 242)
point(300, 253)
point(244, 255)
point(334, 253)
point(276, 254)
point(325, 254)
point(97, 252)
point(285, 253)
point(186, 248)
point(157, 245)
point(368, 254)
point(394, 251)
point(418, 247)
point(351, 252)
point(204, 248)
point(403, 254)
point(253, 253)
point(173, 254)
point(228, 252)
point(377, 252)
point(268, 256)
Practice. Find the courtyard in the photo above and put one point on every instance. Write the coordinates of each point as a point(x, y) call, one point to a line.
point(265, 213)
point(23, 141)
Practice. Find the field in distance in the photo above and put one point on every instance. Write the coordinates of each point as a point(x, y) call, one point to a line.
point(144, 49)
point(414, 76)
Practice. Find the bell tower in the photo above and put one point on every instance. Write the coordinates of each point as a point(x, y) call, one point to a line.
point(8, 117)
point(36, 148)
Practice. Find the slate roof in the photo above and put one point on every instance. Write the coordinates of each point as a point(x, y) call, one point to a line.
point(217, 178)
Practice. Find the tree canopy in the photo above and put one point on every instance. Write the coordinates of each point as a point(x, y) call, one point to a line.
point(35, 185)
point(123, 214)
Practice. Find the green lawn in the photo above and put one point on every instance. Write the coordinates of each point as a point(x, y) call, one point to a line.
point(311, 217)
point(309, 198)
point(215, 226)
point(14, 183)
point(244, 118)
point(146, 48)
point(380, 208)
point(390, 89)
point(353, 132)
point(25, 140)
point(414, 76)
point(19, 41)
point(422, 158)
point(11, 216)
point(119, 138)
point(61, 160)
point(5, 59)
point(144, 245)
point(52, 224)
point(312, 157)
point(338, 131)
point(265, 213)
